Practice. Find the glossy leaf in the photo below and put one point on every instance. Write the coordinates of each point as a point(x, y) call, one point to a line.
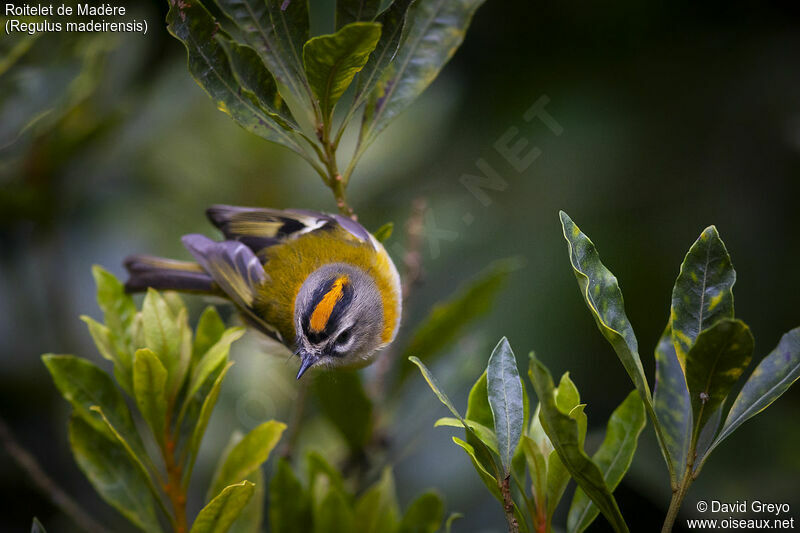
point(424, 515)
point(332, 61)
point(200, 423)
point(209, 330)
point(211, 68)
point(487, 477)
point(149, 387)
point(247, 455)
point(376, 510)
point(344, 402)
point(568, 401)
point(118, 314)
point(564, 434)
point(715, 362)
point(113, 474)
point(348, 11)
point(613, 458)
point(84, 385)
point(254, 78)
point(485, 434)
point(703, 292)
point(436, 30)
point(671, 402)
point(772, 377)
point(168, 336)
point(290, 508)
point(393, 22)
point(383, 233)
point(222, 511)
point(250, 519)
point(447, 319)
point(505, 399)
point(213, 358)
point(537, 468)
point(603, 296)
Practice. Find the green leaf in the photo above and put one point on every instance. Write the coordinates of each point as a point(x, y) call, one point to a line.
point(290, 508)
point(251, 517)
point(210, 66)
point(247, 455)
point(209, 330)
point(568, 401)
point(450, 519)
point(671, 402)
point(376, 510)
point(348, 11)
point(277, 35)
point(344, 402)
point(149, 382)
point(201, 423)
point(505, 399)
point(603, 296)
point(613, 458)
point(564, 434)
point(772, 377)
point(424, 515)
point(433, 383)
point(436, 30)
point(118, 312)
point(213, 358)
point(84, 385)
point(384, 232)
point(113, 474)
point(37, 527)
point(537, 467)
point(333, 513)
point(254, 78)
point(104, 340)
point(478, 451)
point(169, 337)
point(483, 433)
point(448, 319)
point(703, 292)
point(489, 479)
point(332, 61)
point(222, 511)
point(393, 22)
point(715, 362)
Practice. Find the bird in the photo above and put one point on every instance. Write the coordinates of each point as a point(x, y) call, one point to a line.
point(320, 284)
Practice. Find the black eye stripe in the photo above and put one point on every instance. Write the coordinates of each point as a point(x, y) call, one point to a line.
point(336, 315)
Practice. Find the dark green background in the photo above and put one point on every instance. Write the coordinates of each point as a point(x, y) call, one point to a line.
point(675, 116)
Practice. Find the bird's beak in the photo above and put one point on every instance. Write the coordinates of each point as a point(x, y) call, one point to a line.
point(307, 360)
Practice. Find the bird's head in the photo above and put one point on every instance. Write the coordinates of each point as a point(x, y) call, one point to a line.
point(338, 318)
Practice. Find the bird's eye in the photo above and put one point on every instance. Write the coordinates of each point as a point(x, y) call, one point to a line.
point(343, 337)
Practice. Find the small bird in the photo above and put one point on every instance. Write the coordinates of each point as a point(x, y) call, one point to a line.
point(320, 284)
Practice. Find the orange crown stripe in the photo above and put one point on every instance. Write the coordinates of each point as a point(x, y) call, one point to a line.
point(324, 309)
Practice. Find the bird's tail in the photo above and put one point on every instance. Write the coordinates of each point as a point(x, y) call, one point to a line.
point(167, 274)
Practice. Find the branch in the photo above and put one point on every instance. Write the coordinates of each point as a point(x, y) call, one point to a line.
point(508, 505)
point(46, 485)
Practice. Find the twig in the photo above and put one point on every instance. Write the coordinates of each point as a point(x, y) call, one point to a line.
point(412, 273)
point(45, 483)
point(508, 505)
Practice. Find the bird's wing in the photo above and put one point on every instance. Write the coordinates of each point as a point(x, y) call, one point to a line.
point(259, 228)
point(236, 270)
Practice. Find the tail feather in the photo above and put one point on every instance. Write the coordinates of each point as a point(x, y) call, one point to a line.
point(167, 274)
